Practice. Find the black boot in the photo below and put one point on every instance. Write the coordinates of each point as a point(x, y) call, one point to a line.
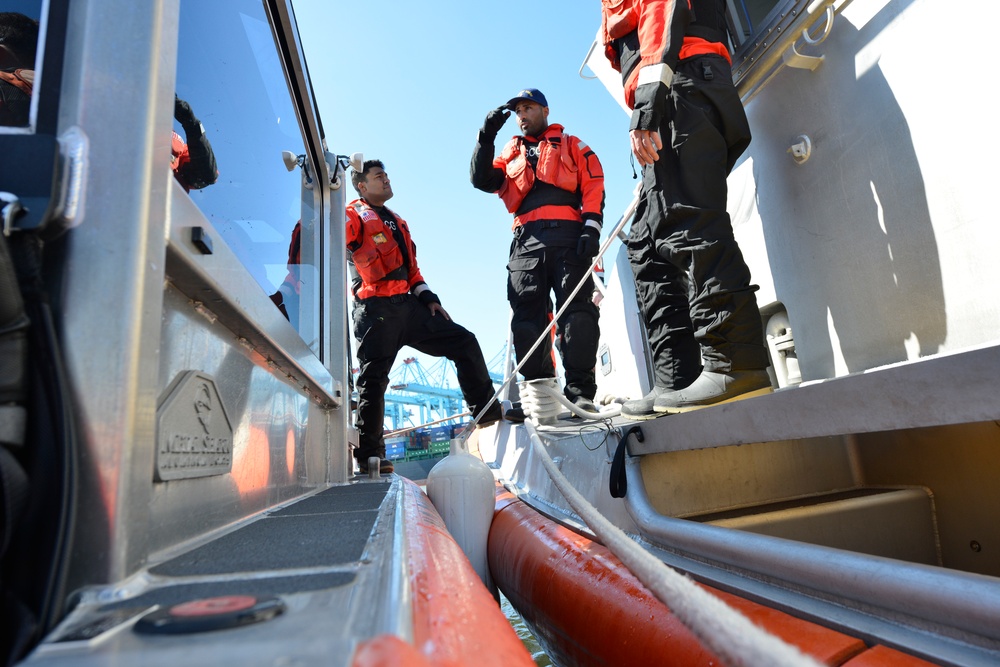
point(516, 414)
point(384, 467)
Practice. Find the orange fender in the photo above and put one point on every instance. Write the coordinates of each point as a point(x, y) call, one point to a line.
point(385, 650)
point(588, 609)
point(456, 621)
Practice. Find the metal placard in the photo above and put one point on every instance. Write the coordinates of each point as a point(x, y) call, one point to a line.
point(194, 437)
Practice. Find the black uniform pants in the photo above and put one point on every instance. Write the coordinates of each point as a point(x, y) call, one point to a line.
point(692, 282)
point(382, 326)
point(532, 274)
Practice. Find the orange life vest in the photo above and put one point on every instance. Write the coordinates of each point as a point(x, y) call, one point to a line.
point(556, 166)
point(376, 255)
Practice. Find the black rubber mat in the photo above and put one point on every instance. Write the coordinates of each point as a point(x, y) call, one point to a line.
point(356, 497)
point(172, 595)
point(325, 530)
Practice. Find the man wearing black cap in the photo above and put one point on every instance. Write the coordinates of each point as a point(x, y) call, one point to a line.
point(553, 183)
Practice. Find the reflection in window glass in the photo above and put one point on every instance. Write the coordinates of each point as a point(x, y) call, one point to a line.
point(19, 45)
point(233, 119)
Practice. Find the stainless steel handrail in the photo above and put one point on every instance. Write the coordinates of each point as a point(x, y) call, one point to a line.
point(960, 606)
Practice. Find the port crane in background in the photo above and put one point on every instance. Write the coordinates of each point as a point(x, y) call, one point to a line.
point(418, 395)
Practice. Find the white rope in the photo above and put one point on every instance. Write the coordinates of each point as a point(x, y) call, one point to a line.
point(543, 402)
point(726, 632)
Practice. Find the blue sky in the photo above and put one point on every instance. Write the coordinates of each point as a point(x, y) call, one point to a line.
point(410, 83)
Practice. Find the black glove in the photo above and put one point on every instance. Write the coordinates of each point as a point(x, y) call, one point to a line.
point(428, 297)
point(183, 113)
point(279, 300)
point(495, 120)
point(589, 243)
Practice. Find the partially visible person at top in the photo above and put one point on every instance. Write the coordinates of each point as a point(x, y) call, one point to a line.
point(18, 48)
point(191, 158)
point(688, 128)
point(394, 307)
point(553, 183)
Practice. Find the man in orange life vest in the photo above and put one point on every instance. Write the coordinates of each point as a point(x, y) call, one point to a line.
point(688, 129)
point(553, 183)
point(395, 307)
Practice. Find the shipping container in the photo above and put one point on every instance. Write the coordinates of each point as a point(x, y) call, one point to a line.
point(419, 439)
point(395, 447)
point(440, 434)
point(457, 429)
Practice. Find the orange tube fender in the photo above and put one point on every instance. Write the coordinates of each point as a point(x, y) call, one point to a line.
point(586, 608)
point(456, 621)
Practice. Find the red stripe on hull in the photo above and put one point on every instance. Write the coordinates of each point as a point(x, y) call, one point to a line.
point(586, 608)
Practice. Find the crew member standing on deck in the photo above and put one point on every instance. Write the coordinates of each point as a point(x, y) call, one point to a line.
point(395, 307)
point(688, 129)
point(553, 183)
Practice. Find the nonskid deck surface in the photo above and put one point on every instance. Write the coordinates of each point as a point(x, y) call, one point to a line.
point(328, 529)
point(316, 545)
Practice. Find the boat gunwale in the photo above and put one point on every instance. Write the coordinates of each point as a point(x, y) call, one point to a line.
point(945, 615)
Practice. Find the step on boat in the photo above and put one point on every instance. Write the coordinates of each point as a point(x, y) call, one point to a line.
point(852, 512)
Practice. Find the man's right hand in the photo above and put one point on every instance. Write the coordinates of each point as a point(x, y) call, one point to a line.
point(589, 243)
point(436, 308)
point(495, 120)
point(646, 145)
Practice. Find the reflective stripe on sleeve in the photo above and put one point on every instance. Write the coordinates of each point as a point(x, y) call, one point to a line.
point(654, 73)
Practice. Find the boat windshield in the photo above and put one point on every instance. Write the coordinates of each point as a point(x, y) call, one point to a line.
point(235, 113)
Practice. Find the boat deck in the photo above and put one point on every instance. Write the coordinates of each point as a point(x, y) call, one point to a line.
point(322, 572)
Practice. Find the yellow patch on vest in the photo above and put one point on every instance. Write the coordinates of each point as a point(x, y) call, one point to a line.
point(379, 238)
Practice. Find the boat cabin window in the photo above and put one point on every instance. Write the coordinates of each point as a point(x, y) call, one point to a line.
point(234, 120)
point(748, 17)
point(21, 44)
